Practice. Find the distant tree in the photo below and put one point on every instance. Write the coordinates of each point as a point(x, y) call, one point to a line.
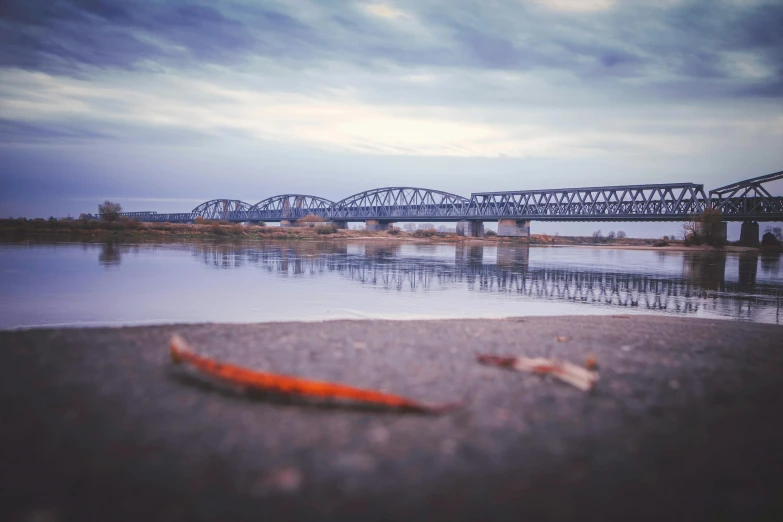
point(442, 228)
point(709, 227)
point(84, 217)
point(109, 211)
point(409, 227)
point(690, 233)
point(597, 234)
point(426, 226)
point(621, 234)
point(611, 234)
point(775, 231)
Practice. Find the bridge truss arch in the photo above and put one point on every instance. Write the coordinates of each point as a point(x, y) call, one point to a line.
point(220, 208)
point(291, 206)
point(402, 203)
point(749, 199)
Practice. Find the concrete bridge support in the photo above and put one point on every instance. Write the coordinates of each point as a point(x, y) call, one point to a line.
point(374, 224)
point(749, 236)
point(470, 228)
point(514, 228)
point(720, 230)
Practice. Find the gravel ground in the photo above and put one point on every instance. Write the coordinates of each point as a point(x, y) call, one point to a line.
point(685, 423)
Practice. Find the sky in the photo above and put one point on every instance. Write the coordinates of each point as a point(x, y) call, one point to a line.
point(162, 105)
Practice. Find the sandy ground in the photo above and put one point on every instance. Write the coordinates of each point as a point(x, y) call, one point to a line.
point(685, 424)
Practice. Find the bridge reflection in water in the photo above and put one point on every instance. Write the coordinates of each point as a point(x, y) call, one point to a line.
point(712, 284)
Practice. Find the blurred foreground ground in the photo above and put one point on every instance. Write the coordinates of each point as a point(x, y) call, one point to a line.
point(685, 423)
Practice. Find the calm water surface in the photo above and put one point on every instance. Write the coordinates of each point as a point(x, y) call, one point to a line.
point(57, 284)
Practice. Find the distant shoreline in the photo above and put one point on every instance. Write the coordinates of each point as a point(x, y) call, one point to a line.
point(96, 231)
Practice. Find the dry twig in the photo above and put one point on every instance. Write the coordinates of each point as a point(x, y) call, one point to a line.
point(576, 376)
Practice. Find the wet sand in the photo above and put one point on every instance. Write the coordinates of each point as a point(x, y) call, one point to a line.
point(684, 424)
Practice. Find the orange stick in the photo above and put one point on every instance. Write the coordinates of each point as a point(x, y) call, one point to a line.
point(284, 384)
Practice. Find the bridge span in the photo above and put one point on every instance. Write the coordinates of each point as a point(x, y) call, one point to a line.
point(747, 201)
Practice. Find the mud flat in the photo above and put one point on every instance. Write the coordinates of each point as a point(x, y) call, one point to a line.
point(684, 424)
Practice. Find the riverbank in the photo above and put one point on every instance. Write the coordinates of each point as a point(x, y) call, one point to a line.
point(683, 423)
point(129, 231)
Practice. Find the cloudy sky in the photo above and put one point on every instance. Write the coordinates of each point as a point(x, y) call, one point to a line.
point(164, 104)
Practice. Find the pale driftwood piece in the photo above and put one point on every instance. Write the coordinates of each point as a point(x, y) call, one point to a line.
point(570, 373)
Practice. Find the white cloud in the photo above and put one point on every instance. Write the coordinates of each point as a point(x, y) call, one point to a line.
point(577, 5)
point(389, 111)
point(384, 11)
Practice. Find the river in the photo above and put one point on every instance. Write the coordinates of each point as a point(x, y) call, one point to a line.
point(88, 284)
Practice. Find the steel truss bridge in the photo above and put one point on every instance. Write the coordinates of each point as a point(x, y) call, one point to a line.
point(747, 200)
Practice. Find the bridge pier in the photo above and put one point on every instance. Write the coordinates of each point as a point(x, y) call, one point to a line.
point(514, 228)
point(375, 224)
point(749, 236)
point(717, 231)
point(470, 228)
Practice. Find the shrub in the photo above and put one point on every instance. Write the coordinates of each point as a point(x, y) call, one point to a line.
point(326, 229)
point(662, 243)
point(777, 232)
point(130, 223)
point(490, 233)
point(621, 234)
point(218, 230)
point(200, 221)
point(611, 235)
point(425, 232)
point(109, 211)
point(393, 231)
point(310, 219)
